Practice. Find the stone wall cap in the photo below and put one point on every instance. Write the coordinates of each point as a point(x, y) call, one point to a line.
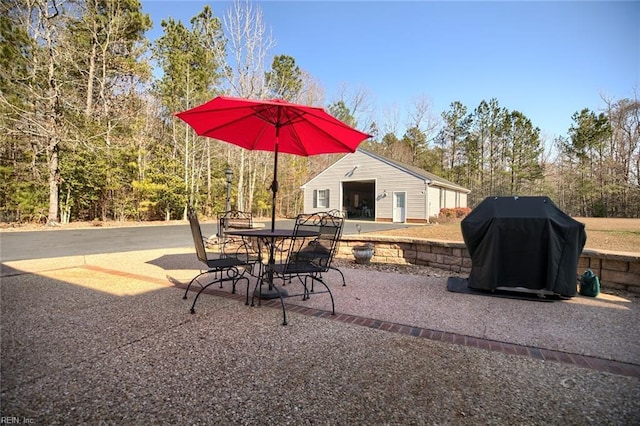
point(393, 239)
point(613, 255)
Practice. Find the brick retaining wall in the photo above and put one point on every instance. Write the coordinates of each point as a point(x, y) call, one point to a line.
point(616, 270)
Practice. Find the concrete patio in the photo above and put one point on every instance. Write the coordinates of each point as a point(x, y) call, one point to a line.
point(109, 339)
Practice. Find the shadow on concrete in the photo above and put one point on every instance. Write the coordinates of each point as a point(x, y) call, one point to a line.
point(177, 261)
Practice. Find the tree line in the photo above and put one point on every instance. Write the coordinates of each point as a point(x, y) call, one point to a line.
point(88, 130)
point(592, 171)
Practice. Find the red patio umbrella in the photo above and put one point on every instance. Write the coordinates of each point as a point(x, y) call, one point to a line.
point(273, 125)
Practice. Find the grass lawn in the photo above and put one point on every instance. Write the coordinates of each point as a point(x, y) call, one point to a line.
point(602, 233)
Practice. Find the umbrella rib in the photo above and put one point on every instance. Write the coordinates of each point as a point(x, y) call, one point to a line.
point(300, 117)
point(334, 122)
point(299, 143)
point(320, 129)
point(262, 109)
point(226, 124)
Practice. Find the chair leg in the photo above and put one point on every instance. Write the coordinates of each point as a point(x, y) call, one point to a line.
point(344, 283)
point(235, 282)
point(188, 287)
point(246, 301)
point(307, 292)
point(192, 281)
point(193, 305)
point(220, 280)
point(333, 306)
point(284, 311)
point(259, 286)
point(253, 293)
point(258, 282)
point(239, 275)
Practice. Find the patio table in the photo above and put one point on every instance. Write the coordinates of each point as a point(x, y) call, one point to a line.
point(268, 237)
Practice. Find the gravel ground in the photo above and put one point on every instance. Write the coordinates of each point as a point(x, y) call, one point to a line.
point(83, 347)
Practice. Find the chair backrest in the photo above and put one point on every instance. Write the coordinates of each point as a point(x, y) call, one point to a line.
point(235, 219)
point(196, 233)
point(321, 250)
point(334, 212)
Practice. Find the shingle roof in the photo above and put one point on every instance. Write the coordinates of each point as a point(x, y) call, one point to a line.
point(416, 171)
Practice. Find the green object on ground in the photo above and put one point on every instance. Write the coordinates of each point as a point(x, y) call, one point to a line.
point(589, 284)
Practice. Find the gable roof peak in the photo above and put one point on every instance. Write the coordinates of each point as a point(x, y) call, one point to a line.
point(429, 177)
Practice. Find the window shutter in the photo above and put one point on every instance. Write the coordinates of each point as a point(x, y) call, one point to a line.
point(327, 197)
point(315, 198)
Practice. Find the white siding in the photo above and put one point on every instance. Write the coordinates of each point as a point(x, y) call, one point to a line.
point(463, 199)
point(423, 201)
point(450, 199)
point(433, 201)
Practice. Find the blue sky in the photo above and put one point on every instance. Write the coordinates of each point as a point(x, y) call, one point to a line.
point(544, 59)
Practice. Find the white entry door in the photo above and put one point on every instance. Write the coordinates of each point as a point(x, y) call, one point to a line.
point(399, 206)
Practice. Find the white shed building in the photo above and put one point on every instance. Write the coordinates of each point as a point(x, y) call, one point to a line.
point(369, 186)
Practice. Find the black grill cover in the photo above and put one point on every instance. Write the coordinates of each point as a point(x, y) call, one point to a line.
point(525, 242)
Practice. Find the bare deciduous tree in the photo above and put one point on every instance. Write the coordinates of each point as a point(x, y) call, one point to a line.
point(249, 43)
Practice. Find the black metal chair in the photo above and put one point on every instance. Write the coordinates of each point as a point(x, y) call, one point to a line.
point(321, 250)
point(231, 219)
point(226, 267)
point(308, 260)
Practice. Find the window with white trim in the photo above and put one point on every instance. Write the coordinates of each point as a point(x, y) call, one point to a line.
point(321, 198)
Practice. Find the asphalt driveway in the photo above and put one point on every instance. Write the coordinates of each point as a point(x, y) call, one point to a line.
point(72, 242)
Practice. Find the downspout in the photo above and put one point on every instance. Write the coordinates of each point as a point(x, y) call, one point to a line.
point(426, 199)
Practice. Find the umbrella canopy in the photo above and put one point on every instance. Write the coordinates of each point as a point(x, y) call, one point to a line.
point(273, 125)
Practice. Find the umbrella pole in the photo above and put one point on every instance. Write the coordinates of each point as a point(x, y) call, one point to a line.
point(274, 190)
